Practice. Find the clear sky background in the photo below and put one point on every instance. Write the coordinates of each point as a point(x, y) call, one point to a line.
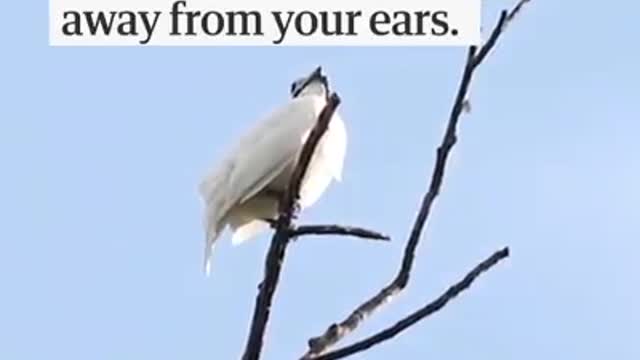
point(102, 149)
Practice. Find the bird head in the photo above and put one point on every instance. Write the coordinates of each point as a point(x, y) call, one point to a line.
point(315, 83)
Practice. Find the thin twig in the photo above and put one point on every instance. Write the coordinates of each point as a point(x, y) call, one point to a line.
point(420, 314)
point(277, 249)
point(491, 42)
point(516, 10)
point(338, 230)
point(335, 332)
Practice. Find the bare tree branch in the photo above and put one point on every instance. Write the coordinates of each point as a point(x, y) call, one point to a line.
point(335, 332)
point(516, 10)
point(338, 230)
point(277, 249)
point(422, 313)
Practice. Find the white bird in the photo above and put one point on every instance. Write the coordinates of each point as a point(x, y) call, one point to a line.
point(246, 187)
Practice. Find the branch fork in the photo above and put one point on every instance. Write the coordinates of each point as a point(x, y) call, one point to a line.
point(319, 347)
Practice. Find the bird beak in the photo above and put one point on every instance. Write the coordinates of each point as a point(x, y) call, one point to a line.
point(316, 74)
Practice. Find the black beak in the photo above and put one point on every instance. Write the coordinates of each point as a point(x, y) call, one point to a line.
point(316, 74)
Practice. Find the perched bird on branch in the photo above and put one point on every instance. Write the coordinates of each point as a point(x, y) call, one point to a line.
point(245, 188)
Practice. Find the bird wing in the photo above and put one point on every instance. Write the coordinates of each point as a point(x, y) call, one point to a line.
point(269, 148)
point(213, 191)
point(257, 159)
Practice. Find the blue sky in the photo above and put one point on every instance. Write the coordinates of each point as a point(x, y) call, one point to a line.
point(102, 150)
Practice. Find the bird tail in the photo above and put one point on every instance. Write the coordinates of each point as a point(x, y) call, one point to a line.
point(208, 252)
point(214, 219)
point(213, 227)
